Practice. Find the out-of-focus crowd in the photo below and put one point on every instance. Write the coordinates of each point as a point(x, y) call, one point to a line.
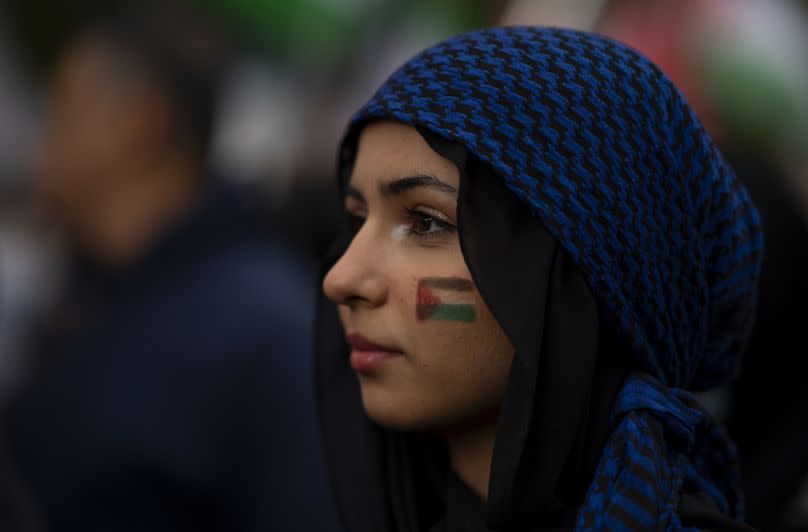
point(166, 190)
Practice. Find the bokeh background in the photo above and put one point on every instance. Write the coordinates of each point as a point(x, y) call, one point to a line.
point(289, 75)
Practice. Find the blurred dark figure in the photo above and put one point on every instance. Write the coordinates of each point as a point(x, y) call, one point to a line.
point(17, 511)
point(171, 389)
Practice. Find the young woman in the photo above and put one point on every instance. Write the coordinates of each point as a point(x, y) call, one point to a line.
point(547, 255)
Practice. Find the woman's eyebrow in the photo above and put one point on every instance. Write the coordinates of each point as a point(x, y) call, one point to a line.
point(401, 185)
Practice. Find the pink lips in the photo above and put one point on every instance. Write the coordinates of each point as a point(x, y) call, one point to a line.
point(367, 356)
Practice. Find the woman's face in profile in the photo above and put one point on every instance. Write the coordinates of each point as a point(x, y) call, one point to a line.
point(427, 351)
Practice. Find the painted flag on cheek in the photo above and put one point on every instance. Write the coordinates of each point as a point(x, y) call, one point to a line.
point(446, 299)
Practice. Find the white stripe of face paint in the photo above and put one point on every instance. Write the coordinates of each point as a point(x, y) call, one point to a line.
point(400, 232)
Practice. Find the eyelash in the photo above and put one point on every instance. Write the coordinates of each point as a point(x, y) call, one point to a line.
point(414, 217)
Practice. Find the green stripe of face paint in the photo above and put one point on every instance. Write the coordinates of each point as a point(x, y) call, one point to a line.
point(449, 312)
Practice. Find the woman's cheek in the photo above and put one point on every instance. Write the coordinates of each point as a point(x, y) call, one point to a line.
point(445, 320)
point(465, 344)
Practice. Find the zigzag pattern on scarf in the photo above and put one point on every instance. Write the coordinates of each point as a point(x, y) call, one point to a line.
point(607, 152)
point(610, 157)
point(650, 458)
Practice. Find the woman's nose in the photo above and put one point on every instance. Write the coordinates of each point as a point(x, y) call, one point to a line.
point(357, 276)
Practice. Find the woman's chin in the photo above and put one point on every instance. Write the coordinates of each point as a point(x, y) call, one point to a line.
point(396, 410)
point(398, 407)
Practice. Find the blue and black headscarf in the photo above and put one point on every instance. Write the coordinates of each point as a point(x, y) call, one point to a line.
point(630, 255)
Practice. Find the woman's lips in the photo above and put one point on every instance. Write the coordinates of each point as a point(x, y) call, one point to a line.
point(367, 356)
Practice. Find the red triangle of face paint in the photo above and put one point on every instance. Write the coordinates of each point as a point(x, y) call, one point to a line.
point(426, 297)
point(427, 302)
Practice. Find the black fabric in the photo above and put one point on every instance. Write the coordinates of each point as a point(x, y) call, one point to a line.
point(554, 419)
point(464, 510)
point(698, 510)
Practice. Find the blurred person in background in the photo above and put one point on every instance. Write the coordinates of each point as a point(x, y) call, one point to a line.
point(171, 388)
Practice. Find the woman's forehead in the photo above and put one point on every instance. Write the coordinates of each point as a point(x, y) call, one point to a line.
point(390, 150)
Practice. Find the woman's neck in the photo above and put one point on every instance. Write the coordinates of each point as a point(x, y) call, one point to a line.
point(471, 447)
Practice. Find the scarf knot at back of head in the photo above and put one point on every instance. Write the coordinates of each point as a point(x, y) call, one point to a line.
point(606, 152)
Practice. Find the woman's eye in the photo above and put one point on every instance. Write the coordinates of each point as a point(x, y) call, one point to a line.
point(423, 225)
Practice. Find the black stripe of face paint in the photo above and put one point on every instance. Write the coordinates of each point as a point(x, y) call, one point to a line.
point(457, 284)
point(431, 306)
